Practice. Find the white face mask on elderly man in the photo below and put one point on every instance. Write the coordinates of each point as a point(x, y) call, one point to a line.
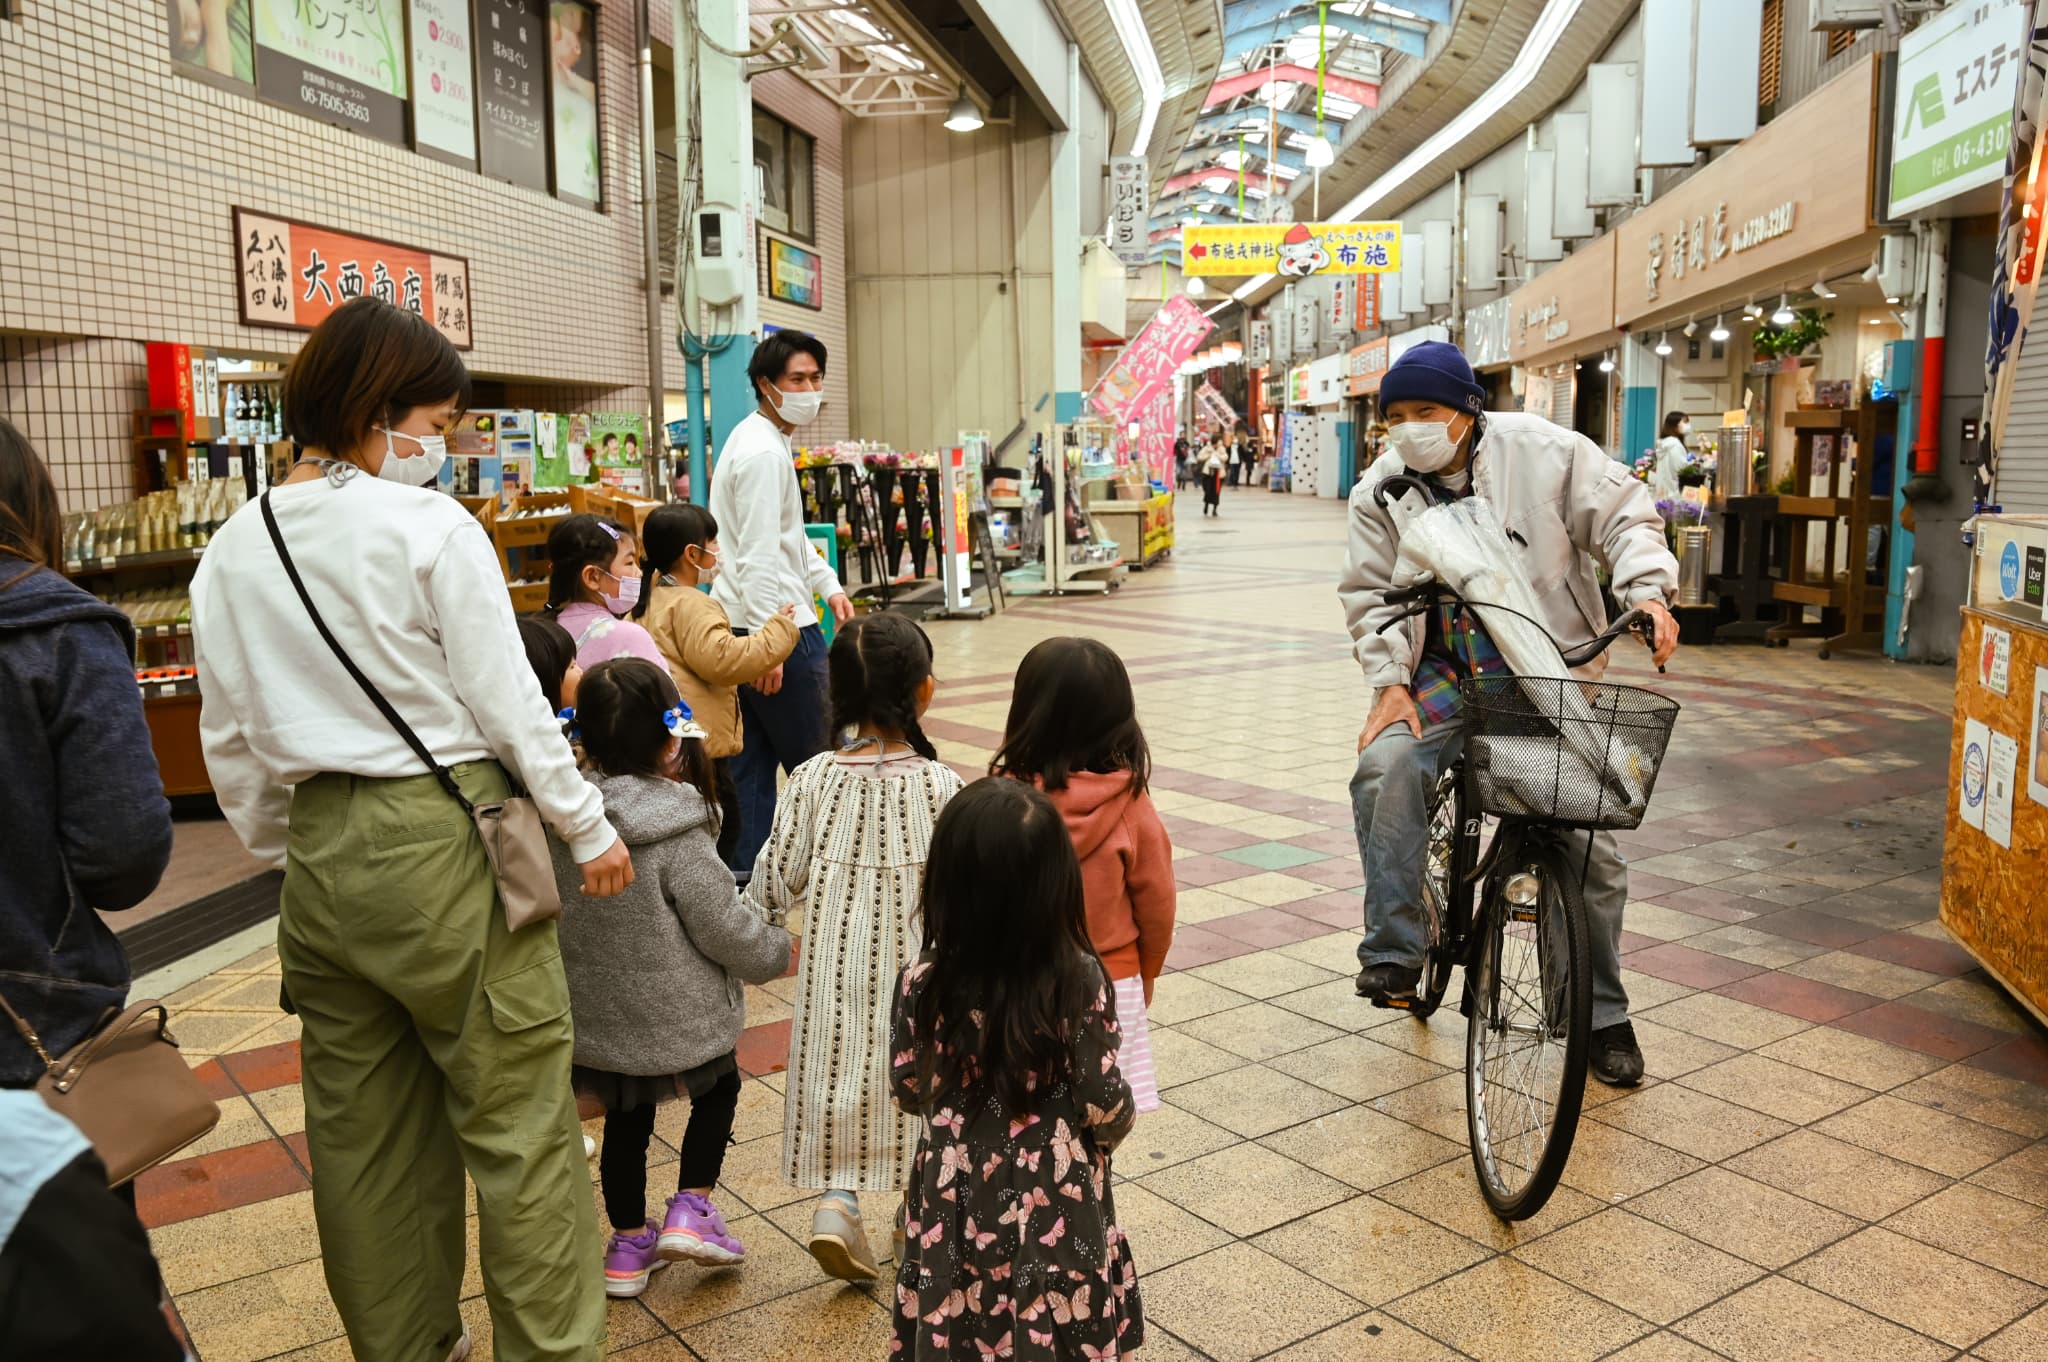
point(1424, 446)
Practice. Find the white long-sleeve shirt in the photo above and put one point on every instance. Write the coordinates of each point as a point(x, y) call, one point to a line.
point(410, 586)
point(769, 562)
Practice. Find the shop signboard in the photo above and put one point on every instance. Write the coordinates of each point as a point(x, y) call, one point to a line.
point(443, 81)
point(1489, 333)
point(1213, 404)
point(1293, 250)
point(1958, 74)
point(795, 275)
point(1298, 386)
point(1566, 310)
point(572, 88)
point(1305, 310)
point(1149, 363)
point(344, 62)
point(293, 274)
point(1365, 366)
point(1798, 186)
point(1130, 209)
point(1341, 312)
point(1365, 315)
point(1259, 349)
point(215, 39)
point(511, 54)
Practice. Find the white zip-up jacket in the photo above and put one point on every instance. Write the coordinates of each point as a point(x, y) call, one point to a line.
point(1564, 503)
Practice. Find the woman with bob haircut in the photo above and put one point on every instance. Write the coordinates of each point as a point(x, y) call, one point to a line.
point(435, 1040)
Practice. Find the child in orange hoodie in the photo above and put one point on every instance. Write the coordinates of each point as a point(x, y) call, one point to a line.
point(1073, 731)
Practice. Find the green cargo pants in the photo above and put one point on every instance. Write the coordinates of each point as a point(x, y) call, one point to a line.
point(434, 1041)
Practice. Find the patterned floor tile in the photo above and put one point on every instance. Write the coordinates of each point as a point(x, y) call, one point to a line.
point(1503, 1311)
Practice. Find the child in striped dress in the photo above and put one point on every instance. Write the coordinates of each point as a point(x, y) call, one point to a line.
point(852, 832)
point(1073, 731)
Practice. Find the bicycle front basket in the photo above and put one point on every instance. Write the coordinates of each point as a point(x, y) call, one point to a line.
point(1569, 752)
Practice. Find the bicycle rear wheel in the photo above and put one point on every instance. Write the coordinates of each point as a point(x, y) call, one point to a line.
point(1439, 878)
point(1526, 1042)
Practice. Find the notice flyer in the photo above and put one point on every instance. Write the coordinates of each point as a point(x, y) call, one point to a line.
point(2037, 765)
point(2005, 760)
point(1994, 662)
point(1975, 773)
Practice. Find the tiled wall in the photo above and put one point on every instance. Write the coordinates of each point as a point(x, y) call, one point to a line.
point(802, 107)
point(117, 176)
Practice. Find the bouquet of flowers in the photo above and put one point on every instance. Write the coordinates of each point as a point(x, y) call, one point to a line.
point(1645, 464)
point(1678, 514)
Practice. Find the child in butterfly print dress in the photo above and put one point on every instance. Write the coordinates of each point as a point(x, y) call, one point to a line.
point(1004, 1042)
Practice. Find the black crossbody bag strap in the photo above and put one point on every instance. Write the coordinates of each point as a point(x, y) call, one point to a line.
point(412, 739)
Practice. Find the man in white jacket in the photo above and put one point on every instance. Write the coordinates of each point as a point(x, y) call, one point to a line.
point(768, 564)
point(1564, 504)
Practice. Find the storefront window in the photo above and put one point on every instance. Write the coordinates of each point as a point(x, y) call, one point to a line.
point(782, 170)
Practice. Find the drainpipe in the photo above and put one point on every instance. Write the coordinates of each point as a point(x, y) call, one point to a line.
point(1457, 258)
point(655, 460)
point(1925, 484)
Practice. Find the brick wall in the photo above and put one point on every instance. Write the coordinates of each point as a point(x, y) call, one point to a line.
point(803, 108)
point(117, 176)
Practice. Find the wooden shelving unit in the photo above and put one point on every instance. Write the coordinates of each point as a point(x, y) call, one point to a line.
point(1851, 606)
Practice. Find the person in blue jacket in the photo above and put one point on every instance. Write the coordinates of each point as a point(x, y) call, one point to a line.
point(87, 823)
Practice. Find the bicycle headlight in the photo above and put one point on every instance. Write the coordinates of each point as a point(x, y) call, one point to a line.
point(1522, 889)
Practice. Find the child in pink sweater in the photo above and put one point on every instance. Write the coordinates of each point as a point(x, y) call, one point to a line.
point(1073, 731)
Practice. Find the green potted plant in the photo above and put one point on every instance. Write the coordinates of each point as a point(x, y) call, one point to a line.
point(1809, 328)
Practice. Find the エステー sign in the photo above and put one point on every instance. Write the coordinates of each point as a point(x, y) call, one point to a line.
point(292, 274)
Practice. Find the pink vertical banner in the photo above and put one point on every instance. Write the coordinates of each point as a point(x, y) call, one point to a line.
point(1146, 368)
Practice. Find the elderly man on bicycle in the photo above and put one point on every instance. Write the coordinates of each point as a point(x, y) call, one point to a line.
point(1564, 504)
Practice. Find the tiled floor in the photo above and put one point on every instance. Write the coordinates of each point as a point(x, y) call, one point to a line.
point(1840, 1152)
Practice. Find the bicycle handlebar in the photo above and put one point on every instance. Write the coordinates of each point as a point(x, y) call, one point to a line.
point(1422, 596)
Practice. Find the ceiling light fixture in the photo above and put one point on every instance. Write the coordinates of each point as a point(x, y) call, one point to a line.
point(963, 117)
point(1784, 316)
point(1607, 364)
point(1196, 287)
point(1320, 154)
point(1720, 331)
point(1664, 343)
point(1543, 38)
point(1692, 328)
point(1821, 289)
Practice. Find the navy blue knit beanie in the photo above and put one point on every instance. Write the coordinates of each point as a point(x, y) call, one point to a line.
point(1433, 371)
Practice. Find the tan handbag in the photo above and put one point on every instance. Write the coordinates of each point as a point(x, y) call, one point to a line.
point(127, 1087)
point(515, 840)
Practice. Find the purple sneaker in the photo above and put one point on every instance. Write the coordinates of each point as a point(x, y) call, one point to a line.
point(695, 1233)
point(629, 1260)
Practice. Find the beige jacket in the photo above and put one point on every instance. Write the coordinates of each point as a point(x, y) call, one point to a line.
point(1564, 503)
point(710, 662)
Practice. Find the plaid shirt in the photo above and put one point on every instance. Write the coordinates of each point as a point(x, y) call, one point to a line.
point(1451, 653)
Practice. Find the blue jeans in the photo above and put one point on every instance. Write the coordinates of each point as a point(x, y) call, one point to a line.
point(1390, 814)
point(783, 730)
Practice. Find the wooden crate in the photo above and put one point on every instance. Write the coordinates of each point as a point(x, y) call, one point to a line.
point(528, 597)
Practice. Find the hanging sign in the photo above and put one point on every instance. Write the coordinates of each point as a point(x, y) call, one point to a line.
point(1130, 209)
point(1364, 367)
point(293, 274)
point(1294, 250)
point(1341, 306)
point(1297, 386)
point(1366, 309)
point(795, 275)
point(1150, 362)
point(511, 48)
point(1259, 349)
point(1958, 73)
point(340, 62)
point(1215, 406)
point(1304, 325)
point(443, 88)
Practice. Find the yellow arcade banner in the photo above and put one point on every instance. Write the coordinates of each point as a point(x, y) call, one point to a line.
point(1293, 249)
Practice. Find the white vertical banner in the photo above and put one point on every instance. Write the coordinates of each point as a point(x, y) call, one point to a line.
point(1611, 176)
point(1572, 214)
point(1482, 241)
point(1666, 128)
point(1258, 348)
point(1394, 305)
point(1339, 315)
point(1280, 312)
point(1437, 259)
point(1306, 306)
point(1415, 253)
point(1727, 45)
point(1130, 208)
point(1539, 212)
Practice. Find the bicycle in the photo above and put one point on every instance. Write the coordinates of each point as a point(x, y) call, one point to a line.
point(1528, 763)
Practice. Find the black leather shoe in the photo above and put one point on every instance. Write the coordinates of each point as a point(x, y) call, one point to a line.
point(1616, 1060)
point(1383, 983)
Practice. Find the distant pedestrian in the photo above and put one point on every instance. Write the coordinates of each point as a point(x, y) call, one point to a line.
point(1213, 463)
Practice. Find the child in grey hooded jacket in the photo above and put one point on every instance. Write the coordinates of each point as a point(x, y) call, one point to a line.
point(655, 974)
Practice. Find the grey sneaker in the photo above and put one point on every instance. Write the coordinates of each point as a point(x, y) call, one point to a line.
point(840, 1245)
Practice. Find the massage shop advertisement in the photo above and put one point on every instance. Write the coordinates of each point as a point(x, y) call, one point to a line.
point(341, 60)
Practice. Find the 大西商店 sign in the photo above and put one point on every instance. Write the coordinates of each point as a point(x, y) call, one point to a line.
point(292, 274)
point(1951, 122)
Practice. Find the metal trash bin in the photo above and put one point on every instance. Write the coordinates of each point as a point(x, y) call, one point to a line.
point(1695, 545)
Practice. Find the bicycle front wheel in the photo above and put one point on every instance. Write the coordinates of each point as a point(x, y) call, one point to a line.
point(1526, 1042)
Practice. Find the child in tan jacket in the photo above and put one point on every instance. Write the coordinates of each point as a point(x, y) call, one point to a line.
point(708, 660)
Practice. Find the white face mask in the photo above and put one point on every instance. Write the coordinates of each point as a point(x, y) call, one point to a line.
point(1684, 429)
point(796, 409)
point(414, 470)
point(1424, 446)
point(707, 568)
